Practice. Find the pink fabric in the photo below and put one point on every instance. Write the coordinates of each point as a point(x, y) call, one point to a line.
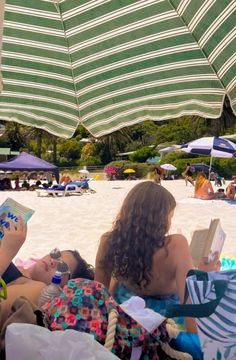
point(26, 263)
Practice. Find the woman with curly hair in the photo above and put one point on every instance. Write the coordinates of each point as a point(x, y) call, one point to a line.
point(139, 256)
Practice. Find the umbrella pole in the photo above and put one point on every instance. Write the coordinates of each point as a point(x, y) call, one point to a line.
point(210, 168)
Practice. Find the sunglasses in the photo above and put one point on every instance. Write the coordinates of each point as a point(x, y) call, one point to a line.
point(62, 266)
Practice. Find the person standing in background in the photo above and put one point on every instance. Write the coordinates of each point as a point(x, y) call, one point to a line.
point(188, 173)
point(157, 175)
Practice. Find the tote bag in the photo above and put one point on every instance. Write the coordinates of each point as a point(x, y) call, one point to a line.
point(213, 297)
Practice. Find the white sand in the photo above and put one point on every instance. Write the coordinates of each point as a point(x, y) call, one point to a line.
point(77, 222)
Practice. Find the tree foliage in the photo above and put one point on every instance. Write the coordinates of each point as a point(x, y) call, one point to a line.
point(136, 138)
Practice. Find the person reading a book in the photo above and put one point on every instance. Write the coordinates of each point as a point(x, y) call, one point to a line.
point(204, 190)
point(29, 282)
point(139, 256)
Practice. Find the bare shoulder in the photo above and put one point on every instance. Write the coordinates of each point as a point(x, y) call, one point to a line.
point(104, 238)
point(179, 251)
point(177, 241)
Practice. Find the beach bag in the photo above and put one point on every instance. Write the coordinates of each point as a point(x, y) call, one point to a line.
point(213, 297)
point(22, 311)
point(87, 306)
point(31, 342)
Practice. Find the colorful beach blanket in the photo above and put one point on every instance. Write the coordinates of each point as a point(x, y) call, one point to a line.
point(228, 262)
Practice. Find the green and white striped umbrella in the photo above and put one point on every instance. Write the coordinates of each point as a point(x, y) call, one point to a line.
point(109, 64)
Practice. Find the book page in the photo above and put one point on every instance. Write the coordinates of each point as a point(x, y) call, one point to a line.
point(206, 242)
point(217, 241)
point(9, 211)
point(197, 245)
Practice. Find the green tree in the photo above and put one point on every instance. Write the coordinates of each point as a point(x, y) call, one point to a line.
point(69, 149)
point(141, 155)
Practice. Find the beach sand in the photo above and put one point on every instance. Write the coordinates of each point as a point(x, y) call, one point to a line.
point(77, 222)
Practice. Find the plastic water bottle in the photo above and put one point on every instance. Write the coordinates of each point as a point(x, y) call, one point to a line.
point(51, 291)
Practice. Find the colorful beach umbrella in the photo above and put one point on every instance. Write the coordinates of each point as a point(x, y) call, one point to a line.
point(110, 170)
point(129, 171)
point(110, 64)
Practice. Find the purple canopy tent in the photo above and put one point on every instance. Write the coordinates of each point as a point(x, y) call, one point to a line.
point(29, 162)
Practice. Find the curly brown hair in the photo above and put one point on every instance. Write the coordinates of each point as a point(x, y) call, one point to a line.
point(138, 231)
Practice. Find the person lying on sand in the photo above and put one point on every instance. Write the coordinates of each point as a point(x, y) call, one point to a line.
point(204, 190)
point(139, 256)
point(29, 282)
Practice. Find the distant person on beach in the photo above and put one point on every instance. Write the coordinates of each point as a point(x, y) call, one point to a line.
point(231, 188)
point(188, 173)
point(65, 179)
point(204, 190)
point(139, 256)
point(157, 174)
point(29, 282)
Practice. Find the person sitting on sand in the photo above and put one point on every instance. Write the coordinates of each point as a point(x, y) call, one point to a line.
point(139, 256)
point(204, 190)
point(231, 188)
point(29, 282)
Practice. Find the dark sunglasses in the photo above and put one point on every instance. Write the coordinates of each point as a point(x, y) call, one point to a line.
point(62, 266)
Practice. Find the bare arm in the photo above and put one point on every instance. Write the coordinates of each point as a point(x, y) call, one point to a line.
point(101, 275)
point(31, 290)
point(14, 237)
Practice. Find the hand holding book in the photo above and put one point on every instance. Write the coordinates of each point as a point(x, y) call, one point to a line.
point(210, 264)
point(13, 229)
point(14, 237)
point(206, 246)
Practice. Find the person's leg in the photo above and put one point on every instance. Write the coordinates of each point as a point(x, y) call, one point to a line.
point(186, 180)
point(190, 179)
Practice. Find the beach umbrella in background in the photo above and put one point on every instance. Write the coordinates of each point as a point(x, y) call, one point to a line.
point(83, 171)
point(110, 170)
point(201, 167)
point(168, 149)
point(129, 171)
point(213, 146)
point(168, 167)
point(153, 160)
point(110, 64)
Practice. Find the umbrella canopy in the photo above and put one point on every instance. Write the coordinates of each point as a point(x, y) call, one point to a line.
point(83, 171)
point(168, 167)
point(213, 146)
point(128, 171)
point(110, 64)
point(28, 162)
point(153, 160)
point(110, 170)
point(201, 167)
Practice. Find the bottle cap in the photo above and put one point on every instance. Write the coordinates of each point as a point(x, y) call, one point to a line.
point(56, 279)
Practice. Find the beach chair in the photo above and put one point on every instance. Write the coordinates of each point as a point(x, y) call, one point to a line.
point(71, 189)
point(49, 192)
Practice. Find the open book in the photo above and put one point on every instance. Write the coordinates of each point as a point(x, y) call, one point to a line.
point(207, 241)
point(9, 211)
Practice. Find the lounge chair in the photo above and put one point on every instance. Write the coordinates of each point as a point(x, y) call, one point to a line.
point(61, 190)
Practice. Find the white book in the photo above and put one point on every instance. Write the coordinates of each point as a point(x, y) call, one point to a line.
point(206, 242)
